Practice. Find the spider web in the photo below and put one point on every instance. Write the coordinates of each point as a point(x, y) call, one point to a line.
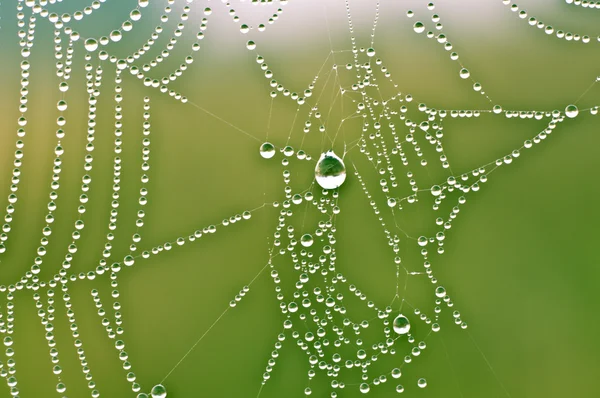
point(393, 148)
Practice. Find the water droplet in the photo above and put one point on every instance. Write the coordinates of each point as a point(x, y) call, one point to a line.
point(422, 383)
point(91, 44)
point(370, 52)
point(158, 391)
point(571, 111)
point(440, 291)
point(306, 240)
point(251, 45)
point(135, 15)
point(401, 324)
point(464, 73)
point(419, 27)
point(330, 172)
point(116, 35)
point(267, 150)
point(364, 388)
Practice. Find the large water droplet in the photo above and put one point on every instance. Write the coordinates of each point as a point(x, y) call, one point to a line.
point(158, 391)
point(440, 291)
point(401, 324)
point(306, 240)
point(330, 172)
point(91, 45)
point(267, 150)
point(571, 111)
point(436, 190)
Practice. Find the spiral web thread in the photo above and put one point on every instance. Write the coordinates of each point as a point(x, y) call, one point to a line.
point(314, 310)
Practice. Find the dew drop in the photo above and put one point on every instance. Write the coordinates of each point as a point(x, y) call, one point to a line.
point(422, 383)
point(419, 27)
point(330, 172)
point(306, 240)
point(158, 391)
point(364, 388)
point(135, 15)
point(91, 44)
point(116, 35)
point(440, 291)
point(267, 150)
point(571, 111)
point(401, 324)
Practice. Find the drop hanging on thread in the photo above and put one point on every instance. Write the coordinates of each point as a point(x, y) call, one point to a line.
point(330, 171)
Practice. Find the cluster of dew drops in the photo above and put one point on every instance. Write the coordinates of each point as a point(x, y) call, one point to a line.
point(330, 161)
point(330, 170)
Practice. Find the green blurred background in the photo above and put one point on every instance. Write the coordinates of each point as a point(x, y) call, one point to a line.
point(521, 261)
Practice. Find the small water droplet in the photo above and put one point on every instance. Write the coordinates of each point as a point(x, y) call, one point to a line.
point(116, 35)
